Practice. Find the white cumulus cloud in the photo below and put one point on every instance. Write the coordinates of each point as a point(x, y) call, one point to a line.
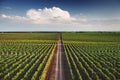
point(12, 18)
point(52, 15)
point(56, 15)
point(49, 15)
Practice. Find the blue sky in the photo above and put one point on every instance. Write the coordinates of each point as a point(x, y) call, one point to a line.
point(59, 15)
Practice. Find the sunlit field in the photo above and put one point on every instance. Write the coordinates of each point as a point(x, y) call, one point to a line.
point(60, 56)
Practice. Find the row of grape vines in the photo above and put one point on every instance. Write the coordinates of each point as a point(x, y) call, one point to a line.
point(93, 62)
point(25, 60)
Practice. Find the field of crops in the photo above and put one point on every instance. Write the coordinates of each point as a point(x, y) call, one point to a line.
point(25, 59)
point(28, 36)
point(84, 56)
point(93, 62)
point(93, 56)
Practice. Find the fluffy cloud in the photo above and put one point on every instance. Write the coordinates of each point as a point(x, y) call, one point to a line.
point(49, 15)
point(52, 15)
point(55, 15)
point(12, 18)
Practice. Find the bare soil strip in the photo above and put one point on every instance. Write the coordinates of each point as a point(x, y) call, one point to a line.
point(56, 69)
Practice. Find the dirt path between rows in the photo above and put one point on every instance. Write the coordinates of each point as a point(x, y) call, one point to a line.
point(56, 71)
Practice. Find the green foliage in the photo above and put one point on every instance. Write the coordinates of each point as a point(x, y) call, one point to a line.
point(19, 60)
point(93, 61)
point(29, 36)
point(92, 36)
point(89, 56)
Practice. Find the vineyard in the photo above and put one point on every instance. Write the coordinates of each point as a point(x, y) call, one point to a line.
point(92, 56)
point(93, 62)
point(59, 56)
point(24, 59)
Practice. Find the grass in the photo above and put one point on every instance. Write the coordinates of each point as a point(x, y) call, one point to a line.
point(29, 36)
point(93, 36)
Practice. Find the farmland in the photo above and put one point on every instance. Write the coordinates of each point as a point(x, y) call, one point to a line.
point(60, 56)
point(93, 56)
point(25, 56)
